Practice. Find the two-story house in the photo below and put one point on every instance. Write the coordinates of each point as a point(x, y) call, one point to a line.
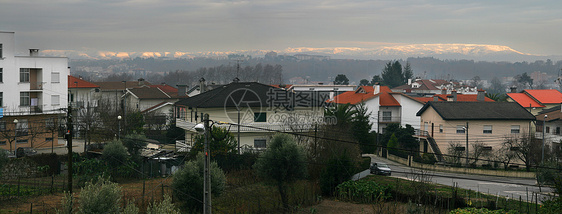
point(468, 122)
point(549, 122)
point(536, 100)
point(252, 112)
point(33, 96)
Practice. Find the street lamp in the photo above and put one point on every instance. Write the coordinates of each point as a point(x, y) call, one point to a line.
point(543, 128)
point(205, 128)
point(466, 148)
point(119, 131)
point(15, 135)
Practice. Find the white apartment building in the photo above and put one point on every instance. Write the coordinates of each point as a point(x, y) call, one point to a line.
point(33, 92)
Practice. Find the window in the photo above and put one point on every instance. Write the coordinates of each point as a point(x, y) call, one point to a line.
point(386, 116)
point(1, 51)
point(24, 99)
point(2, 125)
point(49, 139)
point(55, 77)
point(460, 129)
point(487, 129)
point(21, 142)
point(21, 128)
point(1, 99)
point(547, 129)
point(459, 148)
point(440, 128)
point(24, 74)
point(515, 129)
point(260, 117)
point(50, 123)
point(55, 100)
point(1, 75)
point(259, 143)
point(2, 143)
point(557, 130)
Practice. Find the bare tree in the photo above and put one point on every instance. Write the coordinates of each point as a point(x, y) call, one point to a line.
point(479, 150)
point(455, 151)
point(526, 148)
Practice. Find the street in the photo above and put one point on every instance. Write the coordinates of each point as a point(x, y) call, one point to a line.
point(77, 146)
point(503, 186)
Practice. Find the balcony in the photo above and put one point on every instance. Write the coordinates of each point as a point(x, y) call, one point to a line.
point(36, 85)
point(389, 119)
point(250, 127)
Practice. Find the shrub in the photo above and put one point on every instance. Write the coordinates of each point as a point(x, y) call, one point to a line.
point(362, 191)
point(50, 159)
point(101, 196)
point(188, 183)
point(165, 206)
point(338, 170)
point(473, 210)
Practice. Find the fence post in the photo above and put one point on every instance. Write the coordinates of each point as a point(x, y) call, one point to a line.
point(31, 209)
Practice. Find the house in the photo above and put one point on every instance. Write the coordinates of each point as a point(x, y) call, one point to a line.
point(549, 122)
point(434, 86)
point(111, 92)
point(202, 87)
point(385, 106)
point(488, 122)
point(329, 90)
point(83, 97)
point(536, 100)
point(252, 111)
point(153, 102)
point(33, 96)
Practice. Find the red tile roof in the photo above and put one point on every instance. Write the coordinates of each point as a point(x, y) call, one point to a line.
point(166, 88)
point(545, 96)
point(427, 99)
point(75, 82)
point(386, 99)
point(361, 94)
point(524, 100)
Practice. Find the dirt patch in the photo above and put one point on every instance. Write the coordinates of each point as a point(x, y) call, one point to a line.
point(331, 206)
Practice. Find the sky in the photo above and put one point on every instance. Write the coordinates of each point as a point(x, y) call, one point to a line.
point(533, 27)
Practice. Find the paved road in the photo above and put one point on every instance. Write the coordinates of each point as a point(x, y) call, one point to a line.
point(504, 186)
point(77, 146)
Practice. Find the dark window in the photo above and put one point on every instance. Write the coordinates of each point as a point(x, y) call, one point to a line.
point(487, 129)
point(24, 74)
point(260, 117)
point(547, 129)
point(2, 125)
point(1, 75)
point(1, 51)
point(21, 141)
point(441, 128)
point(515, 129)
point(49, 139)
point(2, 143)
point(1, 99)
point(487, 148)
point(460, 129)
point(459, 148)
point(259, 143)
point(25, 100)
point(386, 116)
point(557, 130)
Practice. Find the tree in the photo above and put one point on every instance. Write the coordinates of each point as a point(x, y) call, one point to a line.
point(361, 127)
point(524, 79)
point(282, 164)
point(496, 86)
point(478, 150)
point(392, 74)
point(527, 149)
point(377, 79)
point(408, 73)
point(341, 79)
point(101, 196)
point(364, 82)
point(3, 159)
point(115, 155)
point(455, 152)
point(165, 206)
point(476, 82)
point(188, 182)
point(221, 142)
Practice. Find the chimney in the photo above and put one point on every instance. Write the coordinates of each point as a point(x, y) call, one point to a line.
point(320, 83)
point(377, 88)
point(182, 90)
point(236, 80)
point(435, 98)
point(513, 89)
point(454, 93)
point(202, 85)
point(481, 96)
point(141, 81)
point(444, 91)
point(409, 81)
point(33, 52)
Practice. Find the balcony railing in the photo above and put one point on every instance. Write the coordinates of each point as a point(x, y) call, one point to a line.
point(391, 119)
point(36, 85)
point(251, 127)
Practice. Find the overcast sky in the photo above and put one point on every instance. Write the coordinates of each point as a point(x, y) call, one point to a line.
point(533, 27)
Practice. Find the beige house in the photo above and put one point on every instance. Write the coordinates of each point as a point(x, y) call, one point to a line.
point(488, 122)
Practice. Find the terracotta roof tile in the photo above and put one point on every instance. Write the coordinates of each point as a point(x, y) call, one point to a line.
point(545, 96)
point(75, 82)
point(362, 93)
point(524, 100)
point(386, 99)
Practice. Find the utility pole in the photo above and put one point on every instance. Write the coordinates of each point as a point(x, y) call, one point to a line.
point(466, 144)
point(69, 132)
point(207, 174)
point(543, 138)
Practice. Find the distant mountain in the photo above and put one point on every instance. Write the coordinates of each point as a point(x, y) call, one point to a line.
point(442, 51)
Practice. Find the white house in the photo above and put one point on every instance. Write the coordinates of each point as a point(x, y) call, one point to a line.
point(33, 92)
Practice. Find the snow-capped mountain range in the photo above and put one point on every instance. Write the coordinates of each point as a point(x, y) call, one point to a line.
point(441, 51)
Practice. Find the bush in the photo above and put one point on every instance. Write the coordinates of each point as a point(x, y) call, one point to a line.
point(50, 159)
point(188, 183)
point(362, 191)
point(473, 210)
point(165, 206)
point(101, 196)
point(338, 170)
